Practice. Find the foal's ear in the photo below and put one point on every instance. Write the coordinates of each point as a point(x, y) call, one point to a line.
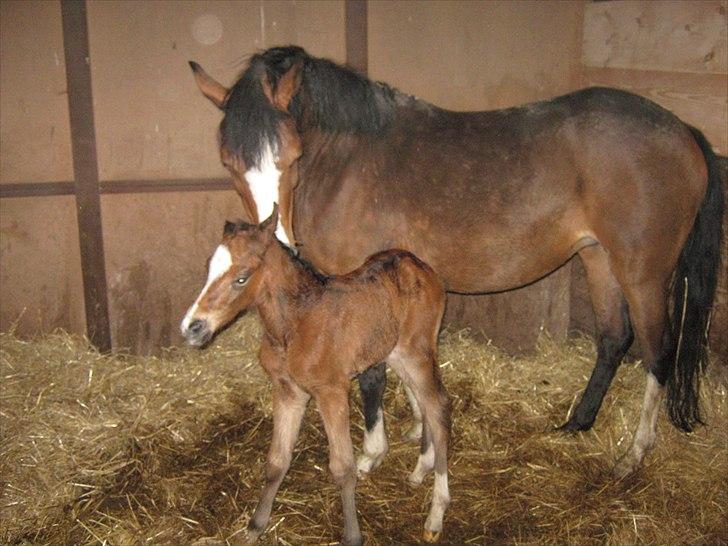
point(271, 223)
point(287, 87)
point(213, 90)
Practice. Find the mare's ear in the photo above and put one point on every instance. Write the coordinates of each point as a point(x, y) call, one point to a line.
point(287, 87)
point(271, 223)
point(213, 90)
point(229, 228)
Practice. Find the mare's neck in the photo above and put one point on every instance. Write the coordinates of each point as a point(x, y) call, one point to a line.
point(286, 281)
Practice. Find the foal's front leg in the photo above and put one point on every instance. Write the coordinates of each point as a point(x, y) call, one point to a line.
point(333, 404)
point(289, 405)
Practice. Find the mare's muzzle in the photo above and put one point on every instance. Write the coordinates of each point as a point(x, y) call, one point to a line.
point(198, 333)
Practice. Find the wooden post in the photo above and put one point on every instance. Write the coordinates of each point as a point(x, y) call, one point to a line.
point(357, 42)
point(85, 171)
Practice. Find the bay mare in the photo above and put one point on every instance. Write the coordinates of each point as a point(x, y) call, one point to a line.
point(494, 200)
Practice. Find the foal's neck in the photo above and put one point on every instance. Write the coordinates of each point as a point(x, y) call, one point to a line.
point(288, 285)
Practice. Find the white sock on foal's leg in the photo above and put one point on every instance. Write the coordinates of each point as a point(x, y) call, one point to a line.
point(440, 502)
point(425, 463)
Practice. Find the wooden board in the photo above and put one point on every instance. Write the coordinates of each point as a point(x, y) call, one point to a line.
point(657, 35)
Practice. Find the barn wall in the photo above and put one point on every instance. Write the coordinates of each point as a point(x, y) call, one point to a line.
point(152, 124)
point(40, 278)
point(477, 56)
point(674, 53)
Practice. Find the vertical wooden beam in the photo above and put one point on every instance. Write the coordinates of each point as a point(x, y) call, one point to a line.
point(85, 170)
point(357, 55)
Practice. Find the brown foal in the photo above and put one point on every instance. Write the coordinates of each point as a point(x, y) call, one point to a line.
point(319, 333)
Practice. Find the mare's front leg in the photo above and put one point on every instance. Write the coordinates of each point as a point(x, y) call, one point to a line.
point(333, 404)
point(372, 382)
point(289, 405)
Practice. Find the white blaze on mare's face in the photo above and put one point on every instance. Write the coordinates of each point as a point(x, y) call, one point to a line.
point(264, 185)
point(219, 264)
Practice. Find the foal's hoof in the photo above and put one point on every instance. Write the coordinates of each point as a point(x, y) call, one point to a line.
point(414, 434)
point(249, 537)
point(431, 536)
point(416, 477)
point(354, 540)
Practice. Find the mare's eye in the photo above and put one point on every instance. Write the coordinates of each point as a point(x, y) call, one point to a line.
point(240, 281)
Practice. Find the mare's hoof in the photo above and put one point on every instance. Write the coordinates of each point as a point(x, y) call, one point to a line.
point(625, 466)
point(366, 463)
point(431, 536)
point(247, 537)
point(573, 426)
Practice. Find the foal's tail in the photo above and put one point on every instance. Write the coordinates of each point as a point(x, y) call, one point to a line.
point(693, 291)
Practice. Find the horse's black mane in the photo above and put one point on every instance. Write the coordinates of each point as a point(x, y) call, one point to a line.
point(332, 98)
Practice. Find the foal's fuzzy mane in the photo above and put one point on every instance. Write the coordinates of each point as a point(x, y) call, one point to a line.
point(231, 228)
point(332, 98)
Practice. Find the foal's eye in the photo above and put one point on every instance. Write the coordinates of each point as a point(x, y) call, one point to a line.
point(240, 281)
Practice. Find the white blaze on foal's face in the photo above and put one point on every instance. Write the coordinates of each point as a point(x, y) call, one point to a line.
point(264, 185)
point(219, 265)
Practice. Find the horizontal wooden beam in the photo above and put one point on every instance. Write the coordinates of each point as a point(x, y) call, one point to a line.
point(162, 186)
point(109, 187)
point(37, 189)
point(714, 84)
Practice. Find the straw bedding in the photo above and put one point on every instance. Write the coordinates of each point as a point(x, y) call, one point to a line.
point(166, 450)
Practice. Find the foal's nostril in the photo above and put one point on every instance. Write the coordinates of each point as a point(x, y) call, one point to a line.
point(196, 327)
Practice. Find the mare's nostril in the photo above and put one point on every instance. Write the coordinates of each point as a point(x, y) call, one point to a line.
point(196, 327)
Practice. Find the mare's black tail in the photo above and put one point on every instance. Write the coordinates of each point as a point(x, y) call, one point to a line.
point(693, 292)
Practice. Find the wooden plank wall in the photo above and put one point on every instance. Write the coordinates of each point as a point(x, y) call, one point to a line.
point(478, 56)
point(156, 136)
point(674, 53)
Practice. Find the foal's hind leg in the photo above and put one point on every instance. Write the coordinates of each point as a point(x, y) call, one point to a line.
point(418, 370)
point(374, 447)
point(614, 335)
point(415, 431)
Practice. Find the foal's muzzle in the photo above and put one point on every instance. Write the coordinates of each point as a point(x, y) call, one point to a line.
point(198, 333)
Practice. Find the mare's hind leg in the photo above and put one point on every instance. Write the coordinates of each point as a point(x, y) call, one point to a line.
point(374, 446)
point(648, 309)
point(614, 335)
